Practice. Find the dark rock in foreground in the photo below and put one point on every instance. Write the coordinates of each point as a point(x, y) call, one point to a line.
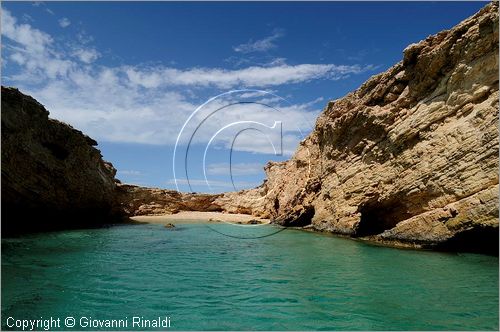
point(52, 175)
point(54, 178)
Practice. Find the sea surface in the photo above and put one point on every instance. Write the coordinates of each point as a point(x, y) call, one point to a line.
point(227, 277)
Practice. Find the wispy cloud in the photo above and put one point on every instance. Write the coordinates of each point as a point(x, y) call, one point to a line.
point(86, 55)
point(146, 104)
point(27, 18)
point(64, 22)
point(278, 74)
point(40, 57)
point(261, 45)
point(235, 169)
point(42, 4)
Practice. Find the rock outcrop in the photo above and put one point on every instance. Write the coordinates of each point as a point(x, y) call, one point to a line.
point(52, 175)
point(410, 158)
point(141, 201)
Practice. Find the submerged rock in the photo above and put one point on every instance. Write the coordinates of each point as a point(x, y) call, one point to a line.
point(52, 175)
point(411, 157)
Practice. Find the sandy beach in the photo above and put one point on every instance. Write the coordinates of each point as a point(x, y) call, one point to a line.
point(196, 217)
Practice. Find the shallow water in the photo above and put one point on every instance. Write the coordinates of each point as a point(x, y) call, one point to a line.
point(204, 280)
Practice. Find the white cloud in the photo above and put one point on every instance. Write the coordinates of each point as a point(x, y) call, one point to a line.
point(235, 169)
point(33, 50)
point(84, 38)
point(32, 40)
point(64, 22)
point(260, 45)
point(276, 62)
point(246, 77)
point(86, 55)
point(27, 18)
point(149, 105)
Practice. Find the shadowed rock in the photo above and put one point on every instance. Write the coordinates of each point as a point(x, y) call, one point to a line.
point(52, 175)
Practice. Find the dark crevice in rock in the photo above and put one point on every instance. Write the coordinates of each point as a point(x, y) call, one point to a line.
point(300, 218)
point(481, 240)
point(276, 204)
point(57, 150)
point(306, 217)
point(377, 217)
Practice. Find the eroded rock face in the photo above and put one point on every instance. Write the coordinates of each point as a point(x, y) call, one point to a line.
point(54, 178)
point(52, 175)
point(139, 201)
point(410, 158)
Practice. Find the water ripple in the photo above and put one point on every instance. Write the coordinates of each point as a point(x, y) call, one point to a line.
point(293, 280)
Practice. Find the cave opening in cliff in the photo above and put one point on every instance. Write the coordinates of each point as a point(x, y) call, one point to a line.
point(306, 217)
point(481, 240)
point(377, 217)
point(303, 218)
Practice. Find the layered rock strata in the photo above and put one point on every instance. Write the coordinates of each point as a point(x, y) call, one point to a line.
point(141, 201)
point(410, 158)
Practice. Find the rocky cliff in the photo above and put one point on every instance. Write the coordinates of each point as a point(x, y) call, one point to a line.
point(139, 201)
point(410, 158)
point(52, 175)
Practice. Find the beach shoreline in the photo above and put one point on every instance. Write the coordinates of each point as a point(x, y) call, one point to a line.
point(187, 217)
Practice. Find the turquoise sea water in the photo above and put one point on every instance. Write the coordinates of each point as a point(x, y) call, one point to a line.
point(203, 280)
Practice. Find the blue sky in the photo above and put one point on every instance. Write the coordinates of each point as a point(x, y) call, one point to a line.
point(131, 74)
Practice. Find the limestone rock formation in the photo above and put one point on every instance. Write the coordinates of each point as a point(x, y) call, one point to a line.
point(409, 158)
point(139, 201)
point(52, 175)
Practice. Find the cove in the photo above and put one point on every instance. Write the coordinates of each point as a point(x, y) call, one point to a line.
point(203, 280)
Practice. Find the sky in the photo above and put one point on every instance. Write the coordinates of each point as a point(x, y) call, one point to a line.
point(199, 96)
